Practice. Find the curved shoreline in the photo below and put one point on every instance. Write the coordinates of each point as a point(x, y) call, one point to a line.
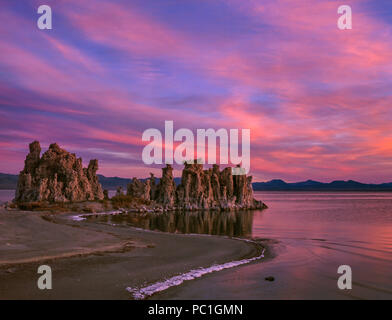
point(151, 257)
point(148, 291)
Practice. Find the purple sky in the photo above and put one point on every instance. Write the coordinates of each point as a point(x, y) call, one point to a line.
point(317, 99)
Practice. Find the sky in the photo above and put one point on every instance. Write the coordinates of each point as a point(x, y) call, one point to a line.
point(317, 99)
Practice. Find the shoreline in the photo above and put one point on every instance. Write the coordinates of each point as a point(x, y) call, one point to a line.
point(99, 261)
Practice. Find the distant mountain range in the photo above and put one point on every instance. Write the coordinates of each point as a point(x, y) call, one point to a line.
point(9, 181)
point(310, 185)
point(113, 182)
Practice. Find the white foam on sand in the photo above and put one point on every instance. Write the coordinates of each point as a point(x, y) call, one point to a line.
point(83, 216)
point(142, 293)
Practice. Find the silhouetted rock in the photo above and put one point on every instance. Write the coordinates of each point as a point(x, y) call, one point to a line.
point(57, 176)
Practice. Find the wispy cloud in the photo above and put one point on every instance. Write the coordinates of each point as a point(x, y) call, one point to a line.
point(317, 99)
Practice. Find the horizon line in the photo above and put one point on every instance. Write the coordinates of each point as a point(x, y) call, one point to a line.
point(276, 179)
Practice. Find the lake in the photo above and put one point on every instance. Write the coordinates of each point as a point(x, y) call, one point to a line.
point(6, 195)
point(312, 234)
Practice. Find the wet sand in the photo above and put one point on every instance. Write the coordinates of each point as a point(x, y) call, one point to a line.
point(99, 261)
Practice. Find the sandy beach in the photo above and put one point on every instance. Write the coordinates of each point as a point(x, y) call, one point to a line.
point(99, 261)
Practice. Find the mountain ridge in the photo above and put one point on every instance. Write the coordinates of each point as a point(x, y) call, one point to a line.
point(9, 181)
point(311, 185)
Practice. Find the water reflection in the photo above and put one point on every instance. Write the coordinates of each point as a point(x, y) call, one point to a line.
point(233, 224)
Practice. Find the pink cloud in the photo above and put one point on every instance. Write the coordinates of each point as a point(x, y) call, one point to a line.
point(330, 88)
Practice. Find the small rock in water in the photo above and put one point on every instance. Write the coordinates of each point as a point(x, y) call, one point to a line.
point(269, 278)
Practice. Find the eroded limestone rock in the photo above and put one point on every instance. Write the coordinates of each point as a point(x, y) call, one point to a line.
point(139, 189)
point(57, 176)
point(166, 189)
point(199, 189)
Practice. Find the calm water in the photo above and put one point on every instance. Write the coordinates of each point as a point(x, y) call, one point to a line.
point(312, 233)
point(226, 223)
point(6, 195)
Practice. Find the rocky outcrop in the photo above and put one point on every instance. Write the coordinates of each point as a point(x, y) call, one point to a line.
point(195, 190)
point(214, 189)
point(139, 189)
point(166, 190)
point(153, 186)
point(57, 176)
point(199, 189)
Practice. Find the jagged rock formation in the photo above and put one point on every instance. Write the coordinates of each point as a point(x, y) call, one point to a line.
point(153, 186)
point(119, 192)
point(57, 176)
point(199, 189)
point(166, 190)
point(139, 189)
